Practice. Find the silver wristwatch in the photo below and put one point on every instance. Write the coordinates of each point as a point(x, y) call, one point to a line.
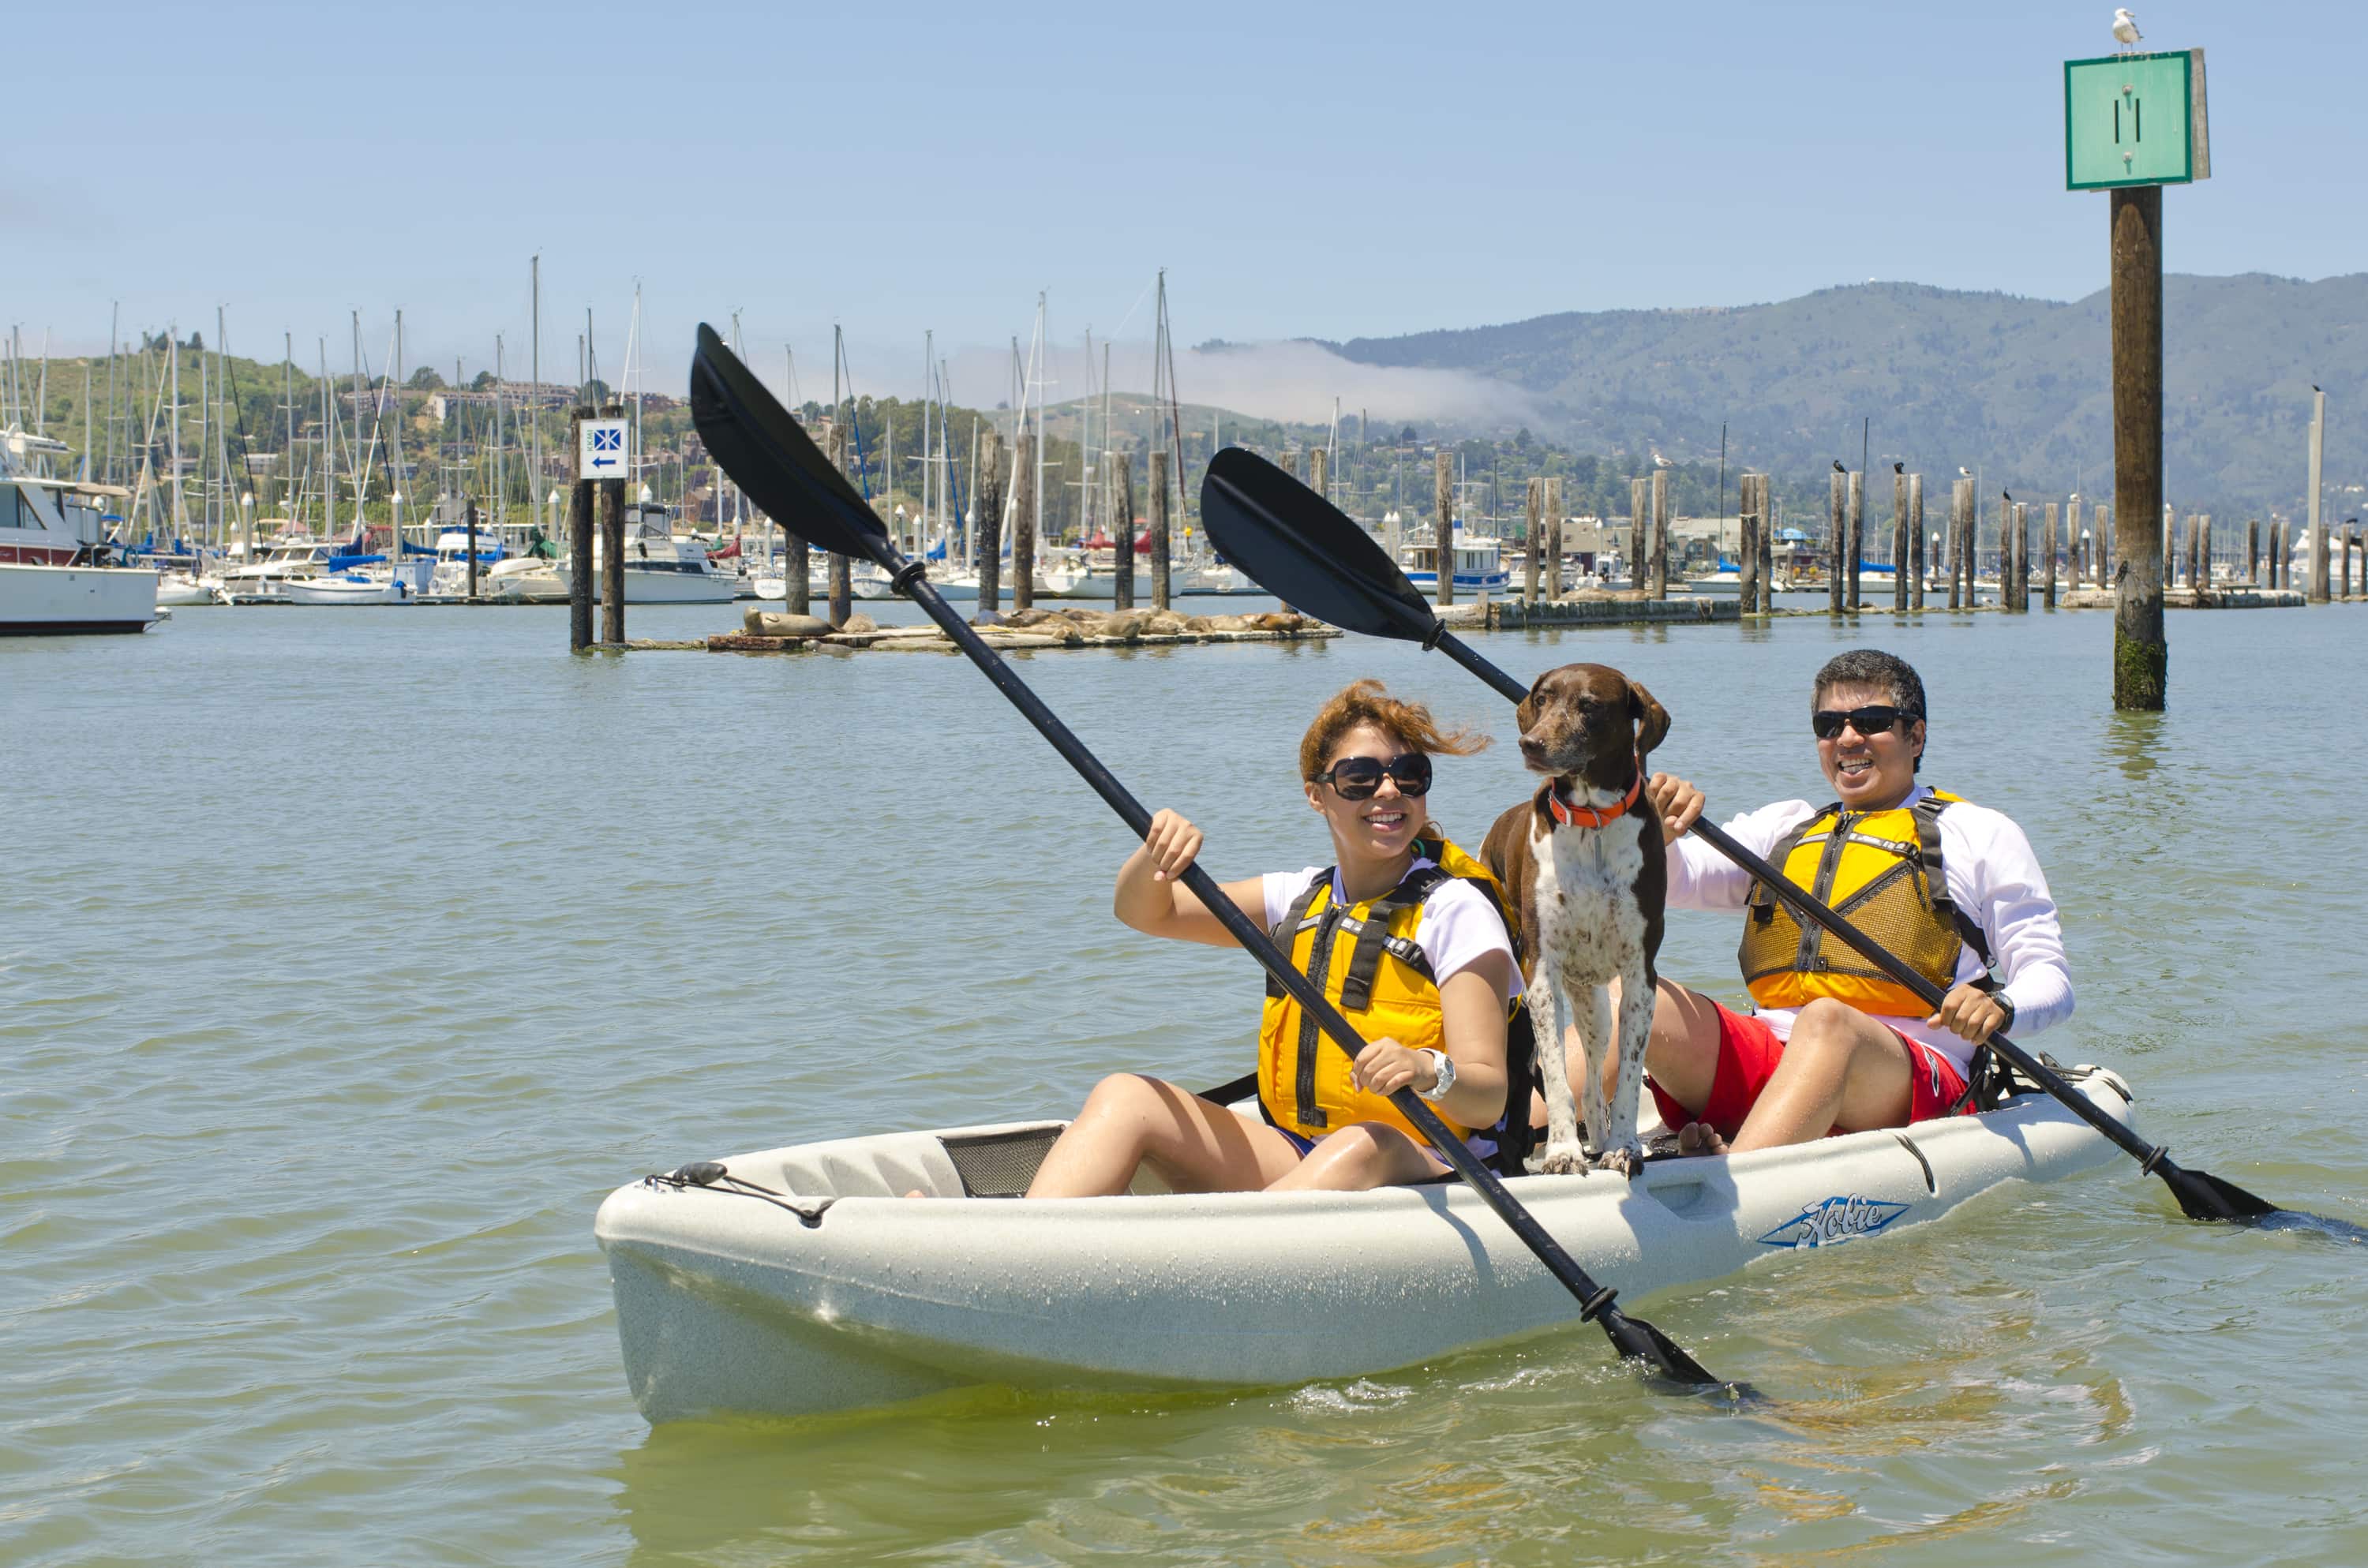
point(1444, 1066)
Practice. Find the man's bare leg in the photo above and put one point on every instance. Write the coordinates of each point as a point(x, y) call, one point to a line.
point(1681, 1053)
point(1840, 1068)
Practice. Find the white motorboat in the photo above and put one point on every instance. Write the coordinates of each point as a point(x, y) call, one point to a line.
point(799, 1280)
point(261, 578)
point(1478, 565)
point(660, 568)
point(50, 543)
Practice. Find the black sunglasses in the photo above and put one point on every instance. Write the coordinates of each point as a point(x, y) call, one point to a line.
point(1869, 722)
point(1359, 778)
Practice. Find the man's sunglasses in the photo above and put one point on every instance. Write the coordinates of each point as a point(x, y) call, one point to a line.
point(1869, 722)
point(1359, 778)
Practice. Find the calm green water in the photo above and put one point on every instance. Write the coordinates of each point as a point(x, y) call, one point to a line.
point(348, 957)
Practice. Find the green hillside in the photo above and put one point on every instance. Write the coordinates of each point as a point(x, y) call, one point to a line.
point(2017, 387)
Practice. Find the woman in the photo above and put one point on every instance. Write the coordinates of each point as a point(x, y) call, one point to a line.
point(1433, 1002)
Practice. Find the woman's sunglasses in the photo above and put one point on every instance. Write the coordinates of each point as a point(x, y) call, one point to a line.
point(1359, 778)
point(1868, 721)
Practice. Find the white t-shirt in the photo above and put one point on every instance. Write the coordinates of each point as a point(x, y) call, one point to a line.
point(1994, 877)
point(1458, 928)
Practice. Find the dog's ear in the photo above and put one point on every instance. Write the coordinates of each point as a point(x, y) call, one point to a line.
point(1652, 719)
point(1526, 713)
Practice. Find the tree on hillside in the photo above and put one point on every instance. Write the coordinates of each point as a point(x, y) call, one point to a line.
point(484, 383)
point(425, 379)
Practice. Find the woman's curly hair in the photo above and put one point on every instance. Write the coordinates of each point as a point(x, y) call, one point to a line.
point(1366, 703)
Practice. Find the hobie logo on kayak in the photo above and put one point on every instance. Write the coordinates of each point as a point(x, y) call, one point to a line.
point(1835, 1219)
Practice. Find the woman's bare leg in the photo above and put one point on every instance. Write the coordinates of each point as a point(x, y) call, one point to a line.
point(1360, 1155)
point(1130, 1120)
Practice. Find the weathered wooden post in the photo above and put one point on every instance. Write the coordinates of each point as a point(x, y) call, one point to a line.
point(1160, 584)
point(580, 525)
point(1770, 519)
point(2141, 653)
point(472, 549)
point(2018, 588)
point(612, 545)
point(1640, 532)
point(1898, 539)
point(2277, 556)
point(1837, 539)
point(1660, 533)
point(1857, 536)
point(1747, 550)
point(2047, 560)
point(1122, 508)
point(989, 502)
point(1916, 540)
point(2170, 548)
point(837, 572)
point(1961, 509)
point(2253, 551)
point(2206, 580)
point(2352, 538)
point(1553, 539)
point(2317, 586)
point(1442, 499)
point(1536, 507)
point(1023, 522)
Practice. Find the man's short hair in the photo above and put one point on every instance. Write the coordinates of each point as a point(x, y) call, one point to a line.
point(1872, 666)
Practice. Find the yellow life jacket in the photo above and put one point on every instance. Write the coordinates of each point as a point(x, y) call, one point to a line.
point(1364, 958)
point(1882, 870)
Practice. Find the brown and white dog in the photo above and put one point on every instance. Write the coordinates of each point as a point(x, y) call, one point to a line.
point(1582, 862)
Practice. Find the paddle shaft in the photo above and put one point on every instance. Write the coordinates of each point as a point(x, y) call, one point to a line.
point(2151, 1157)
point(1596, 1302)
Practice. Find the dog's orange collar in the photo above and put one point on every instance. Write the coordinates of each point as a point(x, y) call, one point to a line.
point(1593, 816)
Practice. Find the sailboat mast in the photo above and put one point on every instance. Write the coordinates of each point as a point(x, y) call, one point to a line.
point(361, 468)
point(534, 393)
point(329, 448)
point(173, 353)
point(501, 467)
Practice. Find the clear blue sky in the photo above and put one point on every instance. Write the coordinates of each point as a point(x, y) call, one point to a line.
point(1327, 171)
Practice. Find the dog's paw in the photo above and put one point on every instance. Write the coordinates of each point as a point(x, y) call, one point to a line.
point(1563, 1160)
point(1628, 1162)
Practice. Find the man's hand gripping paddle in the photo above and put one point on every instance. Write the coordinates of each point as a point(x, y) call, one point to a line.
point(1299, 548)
point(769, 455)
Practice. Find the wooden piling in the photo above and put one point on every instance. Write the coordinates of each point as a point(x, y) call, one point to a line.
point(471, 517)
point(1639, 533)
point(2253, 551)
point(2204, 581)
point(2047, 559)
point(580, 585)
point(2019, 590)
point(989, 502)
point(1160, 585)
point(1660, 533)
point(1961, 513)
point(1857, 599)
point(1122, 483)
point(613, 547)
point(1023, 522)
point(1442, 497)
point(1837, 539)
point(2316, 589)
point(2351, 541)
point(838, 574)
point(1747, 550)
point(1553, 537)
point(1898, 541)
point(2141, 653)
point(1771, 519)
point(1915, 542)
point(1536, 508)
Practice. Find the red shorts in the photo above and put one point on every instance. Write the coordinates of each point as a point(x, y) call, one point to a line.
point(1748, 1053)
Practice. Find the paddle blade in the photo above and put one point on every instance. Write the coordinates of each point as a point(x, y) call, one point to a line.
point(1305, 551)
point(1637, 1340)
point(2204, 1195)
point(769, 454)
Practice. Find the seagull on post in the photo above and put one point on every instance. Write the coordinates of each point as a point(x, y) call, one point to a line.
point(1838, 466)
point(1964, 472)
point(2125, 27)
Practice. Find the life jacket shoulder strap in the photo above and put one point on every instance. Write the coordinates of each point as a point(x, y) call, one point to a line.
point(1761, 900)
point(1286, 930)
point(1927, 812)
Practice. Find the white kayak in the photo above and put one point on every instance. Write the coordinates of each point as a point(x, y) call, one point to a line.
point(826, 1290)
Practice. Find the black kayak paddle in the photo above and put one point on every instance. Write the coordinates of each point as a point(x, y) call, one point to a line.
point(1304, 550)
point(769, 455)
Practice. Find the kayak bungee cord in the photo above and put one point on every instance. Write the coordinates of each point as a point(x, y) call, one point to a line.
point(769, 455)
point(1300, 548)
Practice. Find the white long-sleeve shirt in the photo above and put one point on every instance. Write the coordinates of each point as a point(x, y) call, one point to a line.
point(1992, 874)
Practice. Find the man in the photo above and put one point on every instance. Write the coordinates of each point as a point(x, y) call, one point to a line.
point(1833, 1045)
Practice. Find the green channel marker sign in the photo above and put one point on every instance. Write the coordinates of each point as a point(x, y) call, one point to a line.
point(2134, 120)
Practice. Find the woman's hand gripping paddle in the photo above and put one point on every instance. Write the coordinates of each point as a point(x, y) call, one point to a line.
point(770, 457)
point(1299, 548)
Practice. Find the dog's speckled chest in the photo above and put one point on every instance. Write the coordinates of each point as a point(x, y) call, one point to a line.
point(1585, 898)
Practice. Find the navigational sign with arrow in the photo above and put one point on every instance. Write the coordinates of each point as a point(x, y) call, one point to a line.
point(601, 449)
